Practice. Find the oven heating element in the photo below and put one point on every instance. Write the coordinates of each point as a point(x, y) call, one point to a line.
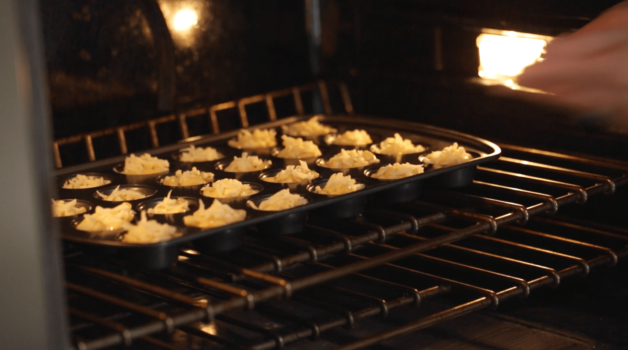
point(468, 249)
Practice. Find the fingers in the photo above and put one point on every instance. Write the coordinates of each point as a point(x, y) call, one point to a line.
point(614, 18)
point(587, 70)
point(572, 47)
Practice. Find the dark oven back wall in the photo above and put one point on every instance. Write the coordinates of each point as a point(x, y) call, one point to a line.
point(106, 59)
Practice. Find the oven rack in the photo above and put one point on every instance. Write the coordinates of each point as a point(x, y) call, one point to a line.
point(320, 89)
point(469, 248)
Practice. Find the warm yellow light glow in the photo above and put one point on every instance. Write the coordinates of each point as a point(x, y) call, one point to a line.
point(209, 328)
point(504, 55)
point(185, 19)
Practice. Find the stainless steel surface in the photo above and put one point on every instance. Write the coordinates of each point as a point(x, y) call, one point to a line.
point(31, 297)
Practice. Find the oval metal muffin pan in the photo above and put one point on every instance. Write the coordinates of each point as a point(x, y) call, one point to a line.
point(158, 255)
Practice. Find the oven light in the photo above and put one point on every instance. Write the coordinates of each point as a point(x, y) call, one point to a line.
point(185, 19)
point(209, 328)
point(505, 54)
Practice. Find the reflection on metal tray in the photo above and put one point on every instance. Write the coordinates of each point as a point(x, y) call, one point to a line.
point(432, 138)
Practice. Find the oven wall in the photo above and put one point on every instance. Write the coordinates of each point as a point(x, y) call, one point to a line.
point(109, 61)
point(415, 60)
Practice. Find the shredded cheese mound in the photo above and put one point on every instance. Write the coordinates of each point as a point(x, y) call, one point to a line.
point(218, 214)
point(148, 231)
point(170, 206)
point(85, 181)
point(228, 188)
point(63, 208)
point(293, 173)
point(144, 165)
point(298, 148)
point(397, 145)
point(119, 195)
point(339, 184)
point(451, 155)
point(281, 200)
point(310, 128)
point(247, 163)
point(259, 138)
point(351, 138)
point(192, 154)
point(351, 159)
point(187, 178)
point(107, 219)
point(398, 171)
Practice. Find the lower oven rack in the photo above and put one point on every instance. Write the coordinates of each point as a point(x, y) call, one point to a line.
point(465, 250)
point(211, 287)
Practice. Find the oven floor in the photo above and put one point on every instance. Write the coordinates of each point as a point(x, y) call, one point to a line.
point(586, 313)
point(480, 331)
point(582, 313)
point(595, 306)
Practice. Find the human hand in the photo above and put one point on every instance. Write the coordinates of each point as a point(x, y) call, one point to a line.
point(587, 70)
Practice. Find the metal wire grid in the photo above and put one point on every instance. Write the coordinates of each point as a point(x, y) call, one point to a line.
point(407, 251)
point(210, 111)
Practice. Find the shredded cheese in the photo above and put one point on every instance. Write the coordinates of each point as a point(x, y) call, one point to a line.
point(259, 138)
point(350, 159)
point(192, 154)
point(148, 231)
point(85, 181)
point(62, 208)
point(281, 200)
point(247, 163)
point(218, 214)
point(119, 195)
point(228, 188)
point(187, 178)
point(293, 174)
point(144, 165)
point(351, 138)
point(298, 148)
point(397, 145)
point(107, 219)
point(451, 155)
point(170, 206)
point(339, 184)
point(398, 171)
point(309, 129)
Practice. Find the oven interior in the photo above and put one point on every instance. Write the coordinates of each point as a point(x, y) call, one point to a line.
point(493, 265)
point(530, 223)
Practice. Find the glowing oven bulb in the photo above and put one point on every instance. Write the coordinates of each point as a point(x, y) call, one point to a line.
point(185, 19)
point(504, 55)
